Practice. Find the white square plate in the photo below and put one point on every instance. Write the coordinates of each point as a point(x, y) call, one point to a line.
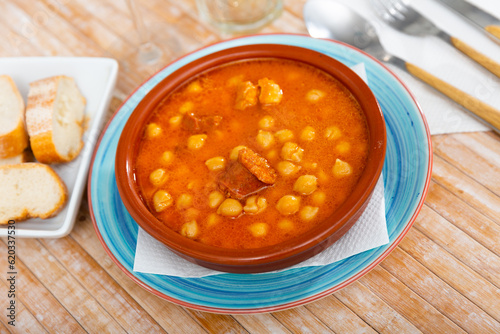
point(96, 78)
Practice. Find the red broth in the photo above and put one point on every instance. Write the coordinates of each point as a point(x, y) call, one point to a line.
point(305, 135)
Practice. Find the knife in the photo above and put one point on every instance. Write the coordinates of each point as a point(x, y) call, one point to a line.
point(481, 19)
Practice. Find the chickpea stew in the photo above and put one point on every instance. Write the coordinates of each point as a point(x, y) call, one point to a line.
point(252, 153)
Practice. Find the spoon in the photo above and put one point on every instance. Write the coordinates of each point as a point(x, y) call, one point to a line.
point(333, 20)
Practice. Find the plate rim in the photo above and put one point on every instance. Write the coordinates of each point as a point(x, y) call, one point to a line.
point(302, 301)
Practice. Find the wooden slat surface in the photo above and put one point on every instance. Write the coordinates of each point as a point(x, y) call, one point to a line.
point(444, 277)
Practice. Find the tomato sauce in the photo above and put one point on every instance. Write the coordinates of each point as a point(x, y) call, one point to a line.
point(224, 108)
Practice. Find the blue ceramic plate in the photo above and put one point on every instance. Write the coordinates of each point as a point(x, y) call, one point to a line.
point(406, 171)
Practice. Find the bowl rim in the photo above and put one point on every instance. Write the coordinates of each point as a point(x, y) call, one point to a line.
point(294, 249)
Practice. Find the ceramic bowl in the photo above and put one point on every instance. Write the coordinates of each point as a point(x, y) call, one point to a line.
point(267, 258)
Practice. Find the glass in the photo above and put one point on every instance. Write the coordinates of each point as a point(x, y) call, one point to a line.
point(239, 16)
point(149, 52)
point(140, 47)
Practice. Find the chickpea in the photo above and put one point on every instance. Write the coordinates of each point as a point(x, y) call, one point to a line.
point(287, 168)
point(190, 229)
point(284, 135)
point(184, 201)
point(195, 142)
point(318, 198)
point(308, 133)
point(216, 164)
point(271, 155)
point(258, 229)
point(191, 214)
point(153, 130)
point(307, 213)
point(292, 152)
point(175, 121)
point(194, 87)
point(343, 147)
point(322, 176)
point(215, 198)
point(266, 122)
point(333, 133)
point(235, 152)
point(310, 165)
point(213, 219)
point(341, 168)
point(265, 139)
point(186, 107)
point(288, 205)
point(167, 157)
point(158, 177)
point(255, 204)
point(230, 208)
point(361, 148)
point(162, 200)
point(314, 95)
point(261, 202)
point(234, 81)
point(305, 184)
point(285, 224)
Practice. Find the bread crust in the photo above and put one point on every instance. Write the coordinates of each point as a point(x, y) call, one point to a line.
point(45, 150)
point(25, 213)
point(26, 156)
point(14, 142)
point(39, 120)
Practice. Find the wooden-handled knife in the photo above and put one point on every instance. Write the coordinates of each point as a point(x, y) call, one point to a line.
point(485, 21)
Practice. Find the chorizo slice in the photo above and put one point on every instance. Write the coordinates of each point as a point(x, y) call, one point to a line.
point(193, 123)
point(257, 165)
point(238, 182)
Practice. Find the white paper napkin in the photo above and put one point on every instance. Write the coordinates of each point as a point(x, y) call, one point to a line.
point(368, 232)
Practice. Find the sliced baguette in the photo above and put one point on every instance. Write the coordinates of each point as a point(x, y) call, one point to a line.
point(13, 136)
point(26, 156)
point(54, 118)
point(30, 190)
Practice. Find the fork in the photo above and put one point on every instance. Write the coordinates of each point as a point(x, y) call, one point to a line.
point(401, 16)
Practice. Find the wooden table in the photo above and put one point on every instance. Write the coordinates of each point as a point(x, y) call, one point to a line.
point(444, 277)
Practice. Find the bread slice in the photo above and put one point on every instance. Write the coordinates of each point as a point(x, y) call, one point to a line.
point(26, 156)
point(30, 190)
point(13, 136)
point(54, 118)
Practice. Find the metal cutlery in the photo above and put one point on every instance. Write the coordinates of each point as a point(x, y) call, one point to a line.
point(333, 20)
point(400, 15)
point(479, 18)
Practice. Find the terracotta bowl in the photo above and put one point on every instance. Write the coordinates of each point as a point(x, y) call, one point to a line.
point(271, 257)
